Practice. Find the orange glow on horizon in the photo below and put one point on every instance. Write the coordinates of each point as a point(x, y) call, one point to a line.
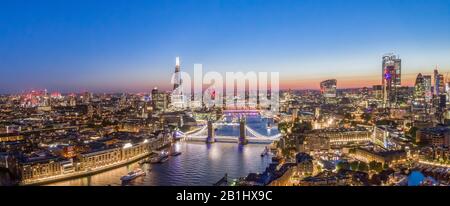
point(341, 83)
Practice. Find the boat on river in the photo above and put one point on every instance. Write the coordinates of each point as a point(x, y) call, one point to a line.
point(133, 175)
point(162, 157)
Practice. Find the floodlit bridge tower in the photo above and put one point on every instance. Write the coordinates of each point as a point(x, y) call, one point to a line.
point(211, 133)
point(257, 99)
point(242, 129)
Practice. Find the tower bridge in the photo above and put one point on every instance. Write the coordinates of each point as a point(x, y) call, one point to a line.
point(246, 134)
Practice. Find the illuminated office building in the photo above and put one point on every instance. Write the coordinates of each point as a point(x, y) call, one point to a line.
point(328, 90)
point(391, 79)
point(428, 88)
point(439, 84)
point(447, 88)
point(419, 89)
point(160, 100)
point(377, 92)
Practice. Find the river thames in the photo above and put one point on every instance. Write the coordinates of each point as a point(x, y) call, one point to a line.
point(200, 164)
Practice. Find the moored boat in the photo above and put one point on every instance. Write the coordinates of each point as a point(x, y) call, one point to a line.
point(175, 153)
point(162, 157)
point(133, 175)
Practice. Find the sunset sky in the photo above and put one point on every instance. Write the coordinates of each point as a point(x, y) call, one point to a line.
point(119, 45)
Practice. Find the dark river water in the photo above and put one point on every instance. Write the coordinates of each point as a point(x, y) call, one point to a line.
point(199, 164)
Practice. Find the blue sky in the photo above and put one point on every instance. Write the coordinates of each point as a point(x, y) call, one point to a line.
point(118, 45)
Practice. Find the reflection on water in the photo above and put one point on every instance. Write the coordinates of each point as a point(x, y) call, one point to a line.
point(264, 126)
point(4, 178)
point(199, 164)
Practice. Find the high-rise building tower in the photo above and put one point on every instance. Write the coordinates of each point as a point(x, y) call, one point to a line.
point(177, 99)
point(377, 92)
point(447, 88)
point(328, 90)
point(428, 88)
point(419, 101)
point(439, 84)
point(419, 88)
point(177, 78)
point(391, 79)
point(159, 99)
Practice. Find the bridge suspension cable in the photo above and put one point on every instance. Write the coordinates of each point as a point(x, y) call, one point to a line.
point(257, 134)
point(203, 129)
point(201, 132)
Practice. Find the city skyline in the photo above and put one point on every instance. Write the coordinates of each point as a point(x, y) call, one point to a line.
point(122, 46)
point(409, 81)
point(225, 93)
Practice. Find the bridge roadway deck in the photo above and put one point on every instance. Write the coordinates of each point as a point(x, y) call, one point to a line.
point(233, 139)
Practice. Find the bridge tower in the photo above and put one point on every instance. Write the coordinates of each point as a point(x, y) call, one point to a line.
point(242, 134)
point(211, 133)
point(224, 103)
point(257, 99)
